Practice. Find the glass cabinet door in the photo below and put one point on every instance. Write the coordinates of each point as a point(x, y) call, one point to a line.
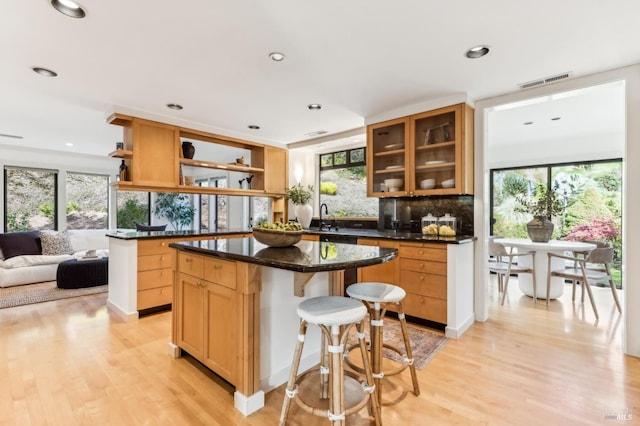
point(387, 157)
point(434, 139)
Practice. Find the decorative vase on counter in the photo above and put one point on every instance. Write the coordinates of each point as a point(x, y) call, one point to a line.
point(188, 150)
point(304, 213)
point(540, 229)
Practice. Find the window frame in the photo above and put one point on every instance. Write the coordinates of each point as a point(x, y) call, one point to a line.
point(56, 193)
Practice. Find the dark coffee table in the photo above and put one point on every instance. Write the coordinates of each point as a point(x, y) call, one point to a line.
point(83, 273)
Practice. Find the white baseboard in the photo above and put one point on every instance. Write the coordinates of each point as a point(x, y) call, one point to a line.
point(125, 316)
point(248, 404)
point(455, 333)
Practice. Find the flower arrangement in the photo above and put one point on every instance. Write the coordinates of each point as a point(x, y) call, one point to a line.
point(299, 195)
point(545, 203)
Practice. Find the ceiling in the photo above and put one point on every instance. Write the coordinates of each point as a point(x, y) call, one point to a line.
point(357, 58)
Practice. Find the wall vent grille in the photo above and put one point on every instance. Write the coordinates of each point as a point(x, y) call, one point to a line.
point(545, 80)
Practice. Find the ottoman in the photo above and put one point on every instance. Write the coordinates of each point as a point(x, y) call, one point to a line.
point(83, 273)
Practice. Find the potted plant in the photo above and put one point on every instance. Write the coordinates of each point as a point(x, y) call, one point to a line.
point(545, 204)
point(176, 208)
point(300, 197)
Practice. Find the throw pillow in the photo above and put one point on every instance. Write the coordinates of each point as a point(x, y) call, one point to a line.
point(56, 243)
point(20, 243)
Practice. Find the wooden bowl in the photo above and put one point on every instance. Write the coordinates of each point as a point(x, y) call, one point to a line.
point(276, 237)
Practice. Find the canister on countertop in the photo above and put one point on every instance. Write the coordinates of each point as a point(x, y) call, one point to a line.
point(447, 225)
point(429, 225)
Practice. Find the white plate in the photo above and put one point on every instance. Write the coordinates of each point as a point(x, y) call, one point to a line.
point(435, 162)
point(393, 167)
point(394, 146)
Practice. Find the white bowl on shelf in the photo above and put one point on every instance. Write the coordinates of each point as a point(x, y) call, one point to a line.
point(427, 183)
point(394, 184)
point(449, 183)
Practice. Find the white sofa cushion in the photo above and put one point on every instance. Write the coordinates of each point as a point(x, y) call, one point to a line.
point(33, 260)
point(88, 239)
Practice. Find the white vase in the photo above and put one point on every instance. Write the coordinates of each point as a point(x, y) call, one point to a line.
point(304, 213)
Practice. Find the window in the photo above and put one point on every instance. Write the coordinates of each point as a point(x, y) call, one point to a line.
point(343, 184)
point(133, 207)
point(212, 218)
point(592, 196)
point(30, 199)
point(87, 201)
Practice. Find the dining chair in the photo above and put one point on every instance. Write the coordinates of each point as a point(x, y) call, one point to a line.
point(593, 268)
point(503, 266)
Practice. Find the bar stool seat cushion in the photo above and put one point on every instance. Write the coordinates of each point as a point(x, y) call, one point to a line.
point(331, 310)
point(376, 292)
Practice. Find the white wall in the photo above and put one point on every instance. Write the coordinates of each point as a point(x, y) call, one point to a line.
point(631, 197)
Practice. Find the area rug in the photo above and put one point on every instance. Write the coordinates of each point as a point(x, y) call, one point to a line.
point(425, 344)
point(42, 292)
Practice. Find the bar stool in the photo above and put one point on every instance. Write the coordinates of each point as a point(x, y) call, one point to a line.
point(376, 297)
point(335, 315)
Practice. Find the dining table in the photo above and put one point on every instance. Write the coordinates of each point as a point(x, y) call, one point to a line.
point(541, 264)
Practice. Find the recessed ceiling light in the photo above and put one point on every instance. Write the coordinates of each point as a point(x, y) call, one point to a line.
point(314, 107)
point(45, 72)
point(69, 8)
point(177, 107)
point(277, 56)
point(68, 144)
point(477, 52)
point(253, 127)
point(556, 118)
point(527, 123)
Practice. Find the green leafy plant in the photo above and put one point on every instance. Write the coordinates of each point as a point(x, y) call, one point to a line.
point(299, 195)
point(545, 203)
point(131, 213)
point(176, 208)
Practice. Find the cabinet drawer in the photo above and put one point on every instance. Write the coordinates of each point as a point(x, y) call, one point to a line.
point(155, 297)
point(425, 307)
point(426, 252)
point(156, 278)
point(191, 264)
point(424, 284)
point(155, 261)
point(220, 272)
point(153, 247)
point(423, 266)
point(377, 243)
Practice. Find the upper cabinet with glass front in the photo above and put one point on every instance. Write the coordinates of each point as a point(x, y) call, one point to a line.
point(430, 153)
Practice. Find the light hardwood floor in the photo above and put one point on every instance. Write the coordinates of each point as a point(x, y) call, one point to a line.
point(69, 362)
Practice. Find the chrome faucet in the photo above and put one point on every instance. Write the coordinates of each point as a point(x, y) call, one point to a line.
point(326, 211)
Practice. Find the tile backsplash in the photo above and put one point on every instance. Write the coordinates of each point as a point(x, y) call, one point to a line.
point(409, 212)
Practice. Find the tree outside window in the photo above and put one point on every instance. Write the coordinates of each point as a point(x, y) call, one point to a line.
point(30, 199)
point(87, 201)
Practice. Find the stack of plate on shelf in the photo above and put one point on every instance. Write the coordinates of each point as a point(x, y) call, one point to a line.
point(427, 183)
point(449, 183)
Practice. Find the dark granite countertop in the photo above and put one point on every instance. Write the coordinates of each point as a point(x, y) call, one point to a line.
point(393, 235)
point(133, 235)
point(305, 256)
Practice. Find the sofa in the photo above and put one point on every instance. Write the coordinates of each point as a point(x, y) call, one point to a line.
point(33, 256)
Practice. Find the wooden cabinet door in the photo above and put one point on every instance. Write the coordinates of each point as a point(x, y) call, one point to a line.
point(155, 154)
point(387, 158)
point(387, 272)
point(190, 314)
point(222, 331)
point(276, 169)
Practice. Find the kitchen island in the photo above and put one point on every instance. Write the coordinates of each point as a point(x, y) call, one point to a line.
point(235, 306)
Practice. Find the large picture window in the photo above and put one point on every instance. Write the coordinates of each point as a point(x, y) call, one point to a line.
point(30, 199)
point(591, 194)
point(133, 207)
point(87, 201)
point(343, 184)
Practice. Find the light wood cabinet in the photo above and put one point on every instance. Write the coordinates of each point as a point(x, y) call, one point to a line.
point(423, 275)
point(155, 274)
point(387, 272)
point(153, 154)
point(206, 306)
point(430, 153)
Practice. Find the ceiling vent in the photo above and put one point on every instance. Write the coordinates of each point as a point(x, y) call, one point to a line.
point(546, 80)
